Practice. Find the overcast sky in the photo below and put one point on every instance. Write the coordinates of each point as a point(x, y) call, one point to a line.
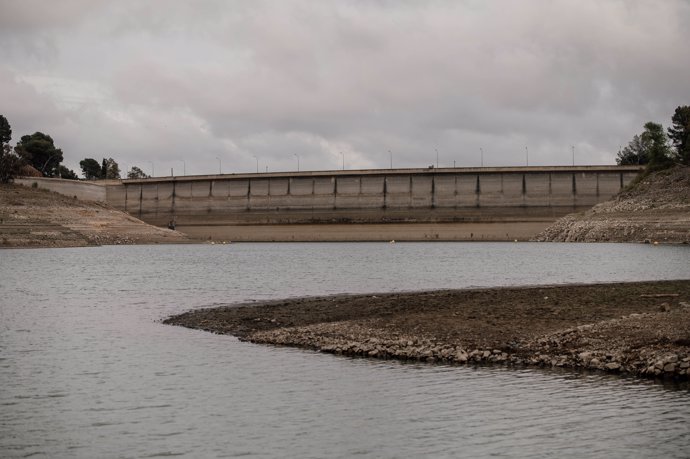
point(156, 83)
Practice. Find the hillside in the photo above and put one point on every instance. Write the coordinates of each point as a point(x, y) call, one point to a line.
point(31, 217)
point(656, 209)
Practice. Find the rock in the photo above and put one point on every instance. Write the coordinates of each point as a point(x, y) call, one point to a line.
point(585, 355)
point(613, 366)
point(670, 368)
point(672, 359)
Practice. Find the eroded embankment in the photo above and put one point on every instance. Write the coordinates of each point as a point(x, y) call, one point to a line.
point(636, 328)
point(31, 217)
point(655, 209)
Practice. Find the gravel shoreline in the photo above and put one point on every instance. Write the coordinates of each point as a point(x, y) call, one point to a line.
point(640, 328)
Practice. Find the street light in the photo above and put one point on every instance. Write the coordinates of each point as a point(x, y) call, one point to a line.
point(436, 158)
point(573, 155)
point(391, 154)
point(153, 171)
point(481, 152)
point(343, 155)
point(257, 163)
point(527, 155)
point(297, 156)
point(184, 166)
point(220, 165)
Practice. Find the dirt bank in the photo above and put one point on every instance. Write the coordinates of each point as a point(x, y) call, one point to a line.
point(655, 209)
point(31, 217)
point(638, 328)
point(359, 232)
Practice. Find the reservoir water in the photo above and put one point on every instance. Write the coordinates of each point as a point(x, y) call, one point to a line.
point(87, 369)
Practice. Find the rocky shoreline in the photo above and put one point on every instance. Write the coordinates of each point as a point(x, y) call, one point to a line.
point(655, 209)
point(638, 328)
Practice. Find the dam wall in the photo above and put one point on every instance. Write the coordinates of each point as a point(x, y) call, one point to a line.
point(86, 191)
point(448, 204)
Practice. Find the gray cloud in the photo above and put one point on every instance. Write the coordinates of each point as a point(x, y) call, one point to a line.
point(152, 82)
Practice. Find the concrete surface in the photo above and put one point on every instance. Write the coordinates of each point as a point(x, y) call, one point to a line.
point(490, 203)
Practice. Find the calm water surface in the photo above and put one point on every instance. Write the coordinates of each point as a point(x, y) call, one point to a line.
point(87, 370)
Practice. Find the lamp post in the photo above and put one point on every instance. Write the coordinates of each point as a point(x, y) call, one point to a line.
point(257, 163)
point(220, 165)
point(153, 171)
point(297, 156)
point(391, 155)
point(481, 153)
point(343, 155)
point(527, 155)
point(573, 155)
point(184, 166)
point(436, 157)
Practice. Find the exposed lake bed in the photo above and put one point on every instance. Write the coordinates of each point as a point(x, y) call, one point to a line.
point(636, 328)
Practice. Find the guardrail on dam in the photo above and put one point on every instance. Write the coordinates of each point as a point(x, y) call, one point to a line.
point(450, 204)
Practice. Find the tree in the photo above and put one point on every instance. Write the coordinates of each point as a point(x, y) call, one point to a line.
point(659, 152)
point(66, 173)
point(679, 133)
point(39, 151)
point(10, 163)
point(634, 153)
point(110, 169)
point(136, 173)
point(90, 168)
point(5, 131)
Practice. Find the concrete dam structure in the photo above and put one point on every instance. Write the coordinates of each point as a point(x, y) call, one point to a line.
point(403, 204)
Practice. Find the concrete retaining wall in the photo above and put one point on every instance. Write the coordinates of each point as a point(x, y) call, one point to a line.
point(212, 204)
point(86, 191)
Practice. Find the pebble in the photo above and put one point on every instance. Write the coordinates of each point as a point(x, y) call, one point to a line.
point(648, 361)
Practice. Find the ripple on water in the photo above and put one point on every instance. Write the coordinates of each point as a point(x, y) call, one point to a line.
point(88, 370)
